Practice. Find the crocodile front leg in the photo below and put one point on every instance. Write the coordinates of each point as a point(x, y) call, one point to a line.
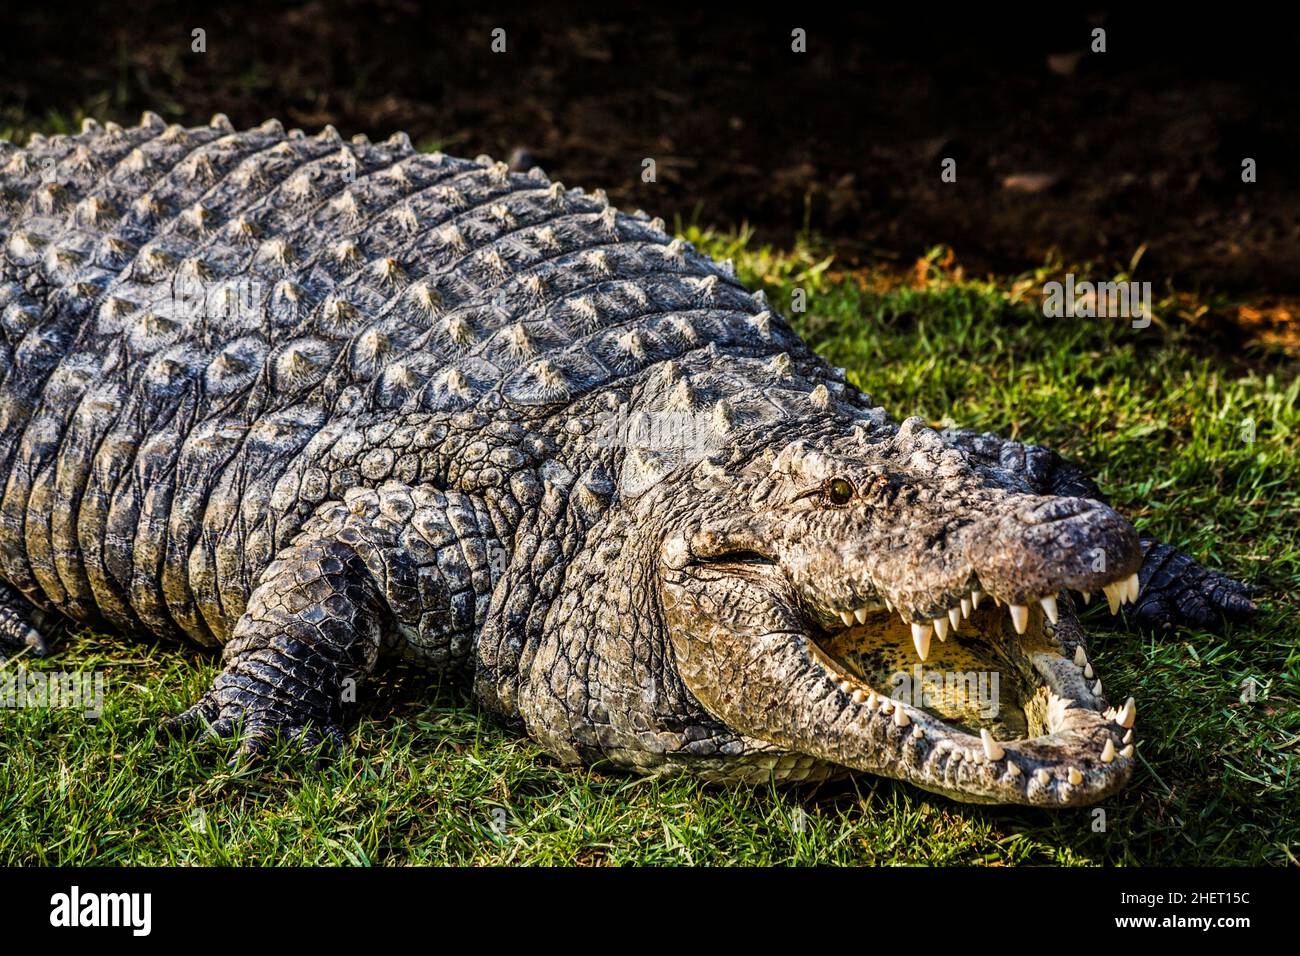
point(1173, 588)
point(394, 567)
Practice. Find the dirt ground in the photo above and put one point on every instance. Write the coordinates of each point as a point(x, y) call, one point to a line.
point(1093, 155)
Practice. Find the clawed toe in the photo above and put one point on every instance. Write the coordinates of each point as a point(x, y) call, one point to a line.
point(255, 733)
point(258, 737)
point(201, 714)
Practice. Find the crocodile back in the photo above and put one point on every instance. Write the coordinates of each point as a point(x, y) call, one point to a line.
point(186, 312)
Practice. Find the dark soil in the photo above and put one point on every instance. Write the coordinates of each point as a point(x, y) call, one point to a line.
point(1140, 145)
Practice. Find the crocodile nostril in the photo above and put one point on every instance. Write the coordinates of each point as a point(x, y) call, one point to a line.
point(1059, 509)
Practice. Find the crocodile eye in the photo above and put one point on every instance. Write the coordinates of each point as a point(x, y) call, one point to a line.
point(839, 491)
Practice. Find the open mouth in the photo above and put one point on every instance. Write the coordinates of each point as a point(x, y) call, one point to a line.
point(984, 705)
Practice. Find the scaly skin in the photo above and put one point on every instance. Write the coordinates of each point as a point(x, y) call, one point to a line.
point(315, 402)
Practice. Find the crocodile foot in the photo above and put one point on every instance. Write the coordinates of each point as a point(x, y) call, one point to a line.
point(23, 627)
point(1174, 590)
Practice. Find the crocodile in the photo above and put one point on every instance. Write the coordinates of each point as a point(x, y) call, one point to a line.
point(319, 403)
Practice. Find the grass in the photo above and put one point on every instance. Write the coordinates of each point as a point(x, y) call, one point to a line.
point(1158, 415)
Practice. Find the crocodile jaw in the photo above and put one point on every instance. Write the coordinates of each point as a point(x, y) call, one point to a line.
point(997, 713)
point(861, 697)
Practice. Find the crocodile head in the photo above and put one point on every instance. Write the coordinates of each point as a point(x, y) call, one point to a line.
point(871, 597)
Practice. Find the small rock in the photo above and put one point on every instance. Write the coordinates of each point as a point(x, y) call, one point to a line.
point(1064, 64)
point(1030, 182)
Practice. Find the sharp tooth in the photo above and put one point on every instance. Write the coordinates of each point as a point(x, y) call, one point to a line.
point(847, 618)
point(1128, 737)
point(917, 732)
point(872, 701)
point(965, 607)
point(954, 618)
point(1112, 597)
point(1013, 769)
point(845, 687)
point(1096, 688)
point(900, 717)
point(941, 628)
point(1108, 751)
point(1019, 617)
point(1074, 776)
point(888, 607)
point(886, 706)
point(1127, 752)
point(1088, 672)
point(1042, 776)
point(859, 696)
point(975, 598)
point(1080, 658)
point(992, 749)
point(860, 615)
point(1087, 597)
point(921, 638)
point(997, 601)
point(1127, 713)
point(1133, 586)
point(1049, 608)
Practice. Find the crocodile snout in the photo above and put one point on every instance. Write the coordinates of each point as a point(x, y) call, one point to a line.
point(1048, 545)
